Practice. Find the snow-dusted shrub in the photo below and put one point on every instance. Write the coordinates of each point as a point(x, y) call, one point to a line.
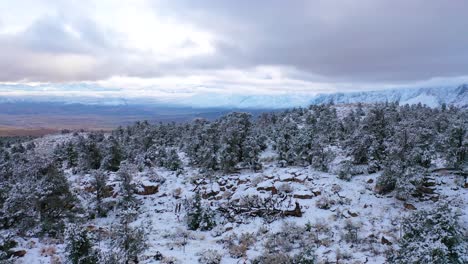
point(324, 202)
point(263, 230)
point(285, 188)
point(226, 194)
point(342, 175)
point(56, 259)
point(257, 179)
point(342, 255)
point(48, 251)
point(461, 180)
point(180, 237)
point(351, 231)
point(344, 170)
point(155, 177)
point(210, 256)
point(238, 245)
point(177, 192)
point(6, 243)
point(170, 260)
point(386, 181)
point(336, 188)
point(305, 256)
point(407, 184)
point(247, 239)
point(237, 250)
point(290, 237)
point(273, 258)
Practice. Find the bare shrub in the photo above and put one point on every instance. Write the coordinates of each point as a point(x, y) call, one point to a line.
point(238, 245)
point(48, 251)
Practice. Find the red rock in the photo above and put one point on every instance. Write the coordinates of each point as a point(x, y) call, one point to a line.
point(149, 190)
point(409, 206)
point(296, 212)
point(317, 193)
point(303, 196)
point(385, 241)
point(352, 214)
point(271, 189)
point(19, 253)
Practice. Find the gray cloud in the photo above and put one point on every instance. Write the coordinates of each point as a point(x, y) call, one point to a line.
point(343, 40)
point(325, 41)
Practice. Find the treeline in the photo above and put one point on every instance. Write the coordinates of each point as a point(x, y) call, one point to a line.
point(380, 137)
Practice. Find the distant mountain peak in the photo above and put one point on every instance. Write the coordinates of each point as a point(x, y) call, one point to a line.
point(431, 96)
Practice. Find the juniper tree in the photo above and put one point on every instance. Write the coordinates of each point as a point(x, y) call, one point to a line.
point(433, 236)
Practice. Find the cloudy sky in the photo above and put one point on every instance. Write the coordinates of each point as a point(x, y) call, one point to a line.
point(171, 47)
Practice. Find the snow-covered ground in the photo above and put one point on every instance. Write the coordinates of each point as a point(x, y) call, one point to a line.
point(329, 207)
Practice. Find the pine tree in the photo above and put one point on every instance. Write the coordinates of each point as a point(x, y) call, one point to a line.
point(114, 157)
point(99, 183)
point(128, 242)
point(79, 247)
point(72, 155)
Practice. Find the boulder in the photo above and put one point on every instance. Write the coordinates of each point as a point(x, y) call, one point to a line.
point(19, 253)
point(303, 196)
point(209, 194)
point(271, 189)
point(385, 241)
point(148, 189)
point(409, 206)
point(296, 212)
point(317, 192)
point(239, 182)
point(426, 190)
point(352, 214)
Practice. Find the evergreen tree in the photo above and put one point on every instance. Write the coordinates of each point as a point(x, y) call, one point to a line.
point(79, 247)
point(99, 184)
point(432, 237)
point(114, 157)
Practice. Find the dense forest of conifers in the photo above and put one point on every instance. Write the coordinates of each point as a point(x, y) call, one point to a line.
point(404, 143)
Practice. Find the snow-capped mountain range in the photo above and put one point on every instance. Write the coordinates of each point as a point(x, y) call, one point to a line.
point(433, 96)
point(95, 95)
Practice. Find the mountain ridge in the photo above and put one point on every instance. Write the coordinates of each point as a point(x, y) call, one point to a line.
point(431, 96)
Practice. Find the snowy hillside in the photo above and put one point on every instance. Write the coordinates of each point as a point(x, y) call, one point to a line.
point(330, 211)
point(325, 184)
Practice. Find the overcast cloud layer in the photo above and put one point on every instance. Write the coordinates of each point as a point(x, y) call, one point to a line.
point(160, 47)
